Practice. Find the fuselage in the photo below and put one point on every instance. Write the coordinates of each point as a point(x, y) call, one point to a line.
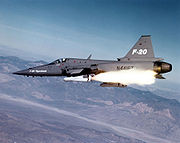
point(76, 67)
point(140, 57)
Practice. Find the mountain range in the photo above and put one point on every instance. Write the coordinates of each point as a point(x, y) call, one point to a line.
point(47, 109)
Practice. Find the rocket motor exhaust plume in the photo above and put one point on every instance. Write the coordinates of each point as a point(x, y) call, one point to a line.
point(127, 77)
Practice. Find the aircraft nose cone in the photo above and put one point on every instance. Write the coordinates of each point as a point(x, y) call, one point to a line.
point(22, 72)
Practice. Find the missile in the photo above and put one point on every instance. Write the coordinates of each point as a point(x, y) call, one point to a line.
point(83, 78)
point(109, 84)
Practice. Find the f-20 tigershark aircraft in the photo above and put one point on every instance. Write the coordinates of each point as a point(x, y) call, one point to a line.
point(141, 56)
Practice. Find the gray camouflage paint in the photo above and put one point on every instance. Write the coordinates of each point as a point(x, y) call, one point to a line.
point(141, 57)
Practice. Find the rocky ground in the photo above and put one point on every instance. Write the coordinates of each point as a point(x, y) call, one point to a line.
point(121, 114)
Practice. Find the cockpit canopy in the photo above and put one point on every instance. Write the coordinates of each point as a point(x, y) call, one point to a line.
point(58, 61)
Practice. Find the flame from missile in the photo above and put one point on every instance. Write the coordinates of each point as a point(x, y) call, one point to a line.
point(127, 77)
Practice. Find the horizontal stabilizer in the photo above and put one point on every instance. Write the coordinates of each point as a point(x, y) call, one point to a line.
point(159, 76)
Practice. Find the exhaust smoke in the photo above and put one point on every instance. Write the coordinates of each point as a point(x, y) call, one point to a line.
point(127, 77)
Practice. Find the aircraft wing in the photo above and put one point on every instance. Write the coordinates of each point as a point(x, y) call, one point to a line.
point(92, 69)
point(74, 71)
point(86, 74)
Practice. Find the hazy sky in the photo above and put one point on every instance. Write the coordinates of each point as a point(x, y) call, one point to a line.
point(105, 28)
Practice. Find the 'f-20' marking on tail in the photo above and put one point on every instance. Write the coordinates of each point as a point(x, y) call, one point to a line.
point(139, 52)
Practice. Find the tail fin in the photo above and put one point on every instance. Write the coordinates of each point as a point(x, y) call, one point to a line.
point(142, 49)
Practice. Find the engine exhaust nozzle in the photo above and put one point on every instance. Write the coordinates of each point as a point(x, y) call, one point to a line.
point(162, 67)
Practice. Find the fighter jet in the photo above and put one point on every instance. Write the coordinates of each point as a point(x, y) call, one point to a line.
point(141, 56)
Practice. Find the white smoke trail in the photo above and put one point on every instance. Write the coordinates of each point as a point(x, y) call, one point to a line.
point(127, 77)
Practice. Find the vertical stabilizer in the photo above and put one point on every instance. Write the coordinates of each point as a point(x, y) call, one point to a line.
point(142, 49)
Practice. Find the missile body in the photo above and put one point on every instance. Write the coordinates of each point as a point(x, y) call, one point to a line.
point(108, 84)
point(83, 78)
